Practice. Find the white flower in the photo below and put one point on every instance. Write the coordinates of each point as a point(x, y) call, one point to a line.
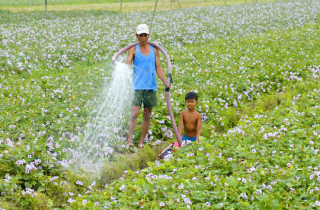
point(122, 187)
point(259, 191)
point(70, 200)
point(79, 183)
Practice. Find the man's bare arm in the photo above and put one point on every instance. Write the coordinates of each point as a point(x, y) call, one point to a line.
point(130, 55)
point(199, 126)
point(159, 70)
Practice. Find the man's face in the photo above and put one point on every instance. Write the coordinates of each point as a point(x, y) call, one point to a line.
point(143, 38)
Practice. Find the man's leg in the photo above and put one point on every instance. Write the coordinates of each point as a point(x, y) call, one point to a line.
point(132, 121)
point(145, 124)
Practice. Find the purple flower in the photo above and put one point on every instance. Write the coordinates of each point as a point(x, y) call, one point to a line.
point(79, 183)
point(122, 187)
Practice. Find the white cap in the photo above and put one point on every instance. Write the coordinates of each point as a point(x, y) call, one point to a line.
point(142, 29)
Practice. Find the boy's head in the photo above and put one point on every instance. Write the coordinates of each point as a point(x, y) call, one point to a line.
point(191, 100)
point(191, 95)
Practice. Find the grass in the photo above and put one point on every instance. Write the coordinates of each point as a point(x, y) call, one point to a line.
point(133, 6)
point(134, 161)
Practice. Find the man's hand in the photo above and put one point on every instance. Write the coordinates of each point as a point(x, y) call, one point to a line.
point(165, 84)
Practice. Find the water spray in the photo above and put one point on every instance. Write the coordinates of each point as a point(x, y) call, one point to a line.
point(169, 80)
point(104, 134)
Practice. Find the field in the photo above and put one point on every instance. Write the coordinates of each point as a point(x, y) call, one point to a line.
point(256, 69)
point(114, 5)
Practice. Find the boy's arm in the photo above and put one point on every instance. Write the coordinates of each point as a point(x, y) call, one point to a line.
point(199, 126)
point(181, 125)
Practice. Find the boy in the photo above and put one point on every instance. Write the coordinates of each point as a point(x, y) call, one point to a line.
point(190, 119)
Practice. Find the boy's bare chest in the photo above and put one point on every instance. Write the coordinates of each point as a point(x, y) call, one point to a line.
point(190, 118)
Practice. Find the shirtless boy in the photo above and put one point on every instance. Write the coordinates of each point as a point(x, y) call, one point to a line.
point(190, 119)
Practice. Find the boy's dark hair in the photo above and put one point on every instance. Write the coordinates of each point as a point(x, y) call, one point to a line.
point(191, 95)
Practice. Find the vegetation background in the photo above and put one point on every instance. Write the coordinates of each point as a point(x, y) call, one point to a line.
point(256, 68)
point(114, 5)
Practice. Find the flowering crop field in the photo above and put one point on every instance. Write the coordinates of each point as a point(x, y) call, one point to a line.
point(113, 5)
point(256, 69)
point(18, 3)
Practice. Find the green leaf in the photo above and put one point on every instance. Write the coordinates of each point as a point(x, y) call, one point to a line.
point(40, 189)
point(289, 184)
point(28, 185)
point(50, 202)
point(232, 182)
point(201, 138)
point(169, 203)
point(243, 189)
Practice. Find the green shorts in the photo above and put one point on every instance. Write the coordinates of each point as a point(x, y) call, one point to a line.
point(146, 97)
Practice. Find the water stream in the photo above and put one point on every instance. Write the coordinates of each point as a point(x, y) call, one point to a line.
point(106, 130)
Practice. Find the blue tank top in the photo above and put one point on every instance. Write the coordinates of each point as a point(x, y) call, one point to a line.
point(144, 70)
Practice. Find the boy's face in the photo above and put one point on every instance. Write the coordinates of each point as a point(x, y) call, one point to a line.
point(191, 103)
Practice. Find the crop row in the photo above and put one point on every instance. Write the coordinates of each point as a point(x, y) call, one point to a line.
point(30, 42)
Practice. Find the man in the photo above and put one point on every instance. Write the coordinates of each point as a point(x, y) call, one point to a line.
point(146, 65)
